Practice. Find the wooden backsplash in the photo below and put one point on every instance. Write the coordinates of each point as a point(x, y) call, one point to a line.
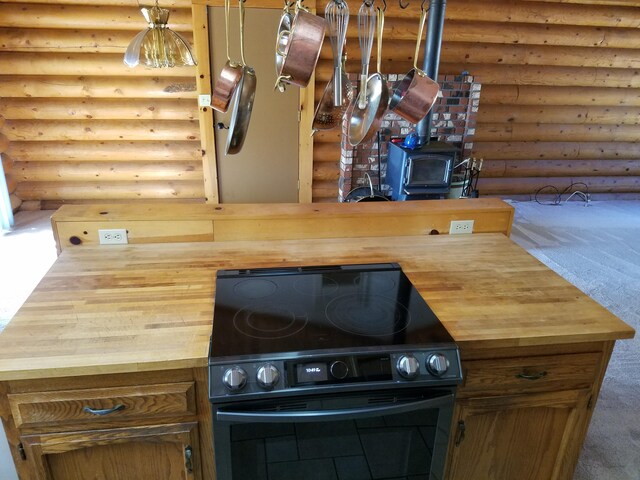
point(560, 98)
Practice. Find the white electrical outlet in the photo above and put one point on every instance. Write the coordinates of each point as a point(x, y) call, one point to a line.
point(113, 236)
point(204, 100)
point(460, 226)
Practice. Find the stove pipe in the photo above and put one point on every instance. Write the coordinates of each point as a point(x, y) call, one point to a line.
point(433, 44)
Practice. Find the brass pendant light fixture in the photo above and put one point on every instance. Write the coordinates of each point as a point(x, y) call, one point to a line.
point(158, 46)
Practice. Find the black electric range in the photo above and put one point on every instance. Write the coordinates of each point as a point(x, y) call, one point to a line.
point(288, 331)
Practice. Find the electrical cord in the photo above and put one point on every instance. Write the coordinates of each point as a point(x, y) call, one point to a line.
point(558, 194)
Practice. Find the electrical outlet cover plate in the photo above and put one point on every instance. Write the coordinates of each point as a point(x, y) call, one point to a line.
point(460, 226)
point(113, 236)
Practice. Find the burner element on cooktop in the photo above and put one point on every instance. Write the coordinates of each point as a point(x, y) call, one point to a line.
point(254, 288)
point(374, 284)
point(268, 321)
point(371, 315)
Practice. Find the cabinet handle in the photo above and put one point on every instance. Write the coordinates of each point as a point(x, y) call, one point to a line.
point(535, 376)
point(188, 454)
point(460, 432)
point(106, 411)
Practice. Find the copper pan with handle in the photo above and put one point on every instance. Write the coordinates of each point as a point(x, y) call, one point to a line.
point(415, 94)
point(300, 48)
point(242, 100)
point(229, 79)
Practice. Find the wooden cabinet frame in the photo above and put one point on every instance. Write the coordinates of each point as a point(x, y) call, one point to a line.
point(204, 86)
point(38, 448)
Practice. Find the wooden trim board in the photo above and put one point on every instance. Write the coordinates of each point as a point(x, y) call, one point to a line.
point(78, 225)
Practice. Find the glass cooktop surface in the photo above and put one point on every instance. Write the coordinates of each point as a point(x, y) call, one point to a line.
point(297, 309)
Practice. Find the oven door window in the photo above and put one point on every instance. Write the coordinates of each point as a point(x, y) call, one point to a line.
point(359, 438)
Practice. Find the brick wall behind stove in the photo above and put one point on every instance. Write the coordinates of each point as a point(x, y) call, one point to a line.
point(454, 121)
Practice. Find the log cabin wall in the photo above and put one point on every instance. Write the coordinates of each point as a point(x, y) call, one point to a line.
point(560, 96)
point(79, 125)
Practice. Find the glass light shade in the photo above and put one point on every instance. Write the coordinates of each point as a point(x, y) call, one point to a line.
point(158, 46)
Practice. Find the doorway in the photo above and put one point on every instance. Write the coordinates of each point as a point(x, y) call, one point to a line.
point(266, 170)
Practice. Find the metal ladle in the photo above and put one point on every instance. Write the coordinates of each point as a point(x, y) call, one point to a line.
point(365, 122)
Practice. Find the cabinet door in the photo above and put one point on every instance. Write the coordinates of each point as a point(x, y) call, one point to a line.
point(161, 452)
point(519, 437)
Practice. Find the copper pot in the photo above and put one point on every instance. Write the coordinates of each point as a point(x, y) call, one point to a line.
point(227, 83)
point(415, 94)
point(281, 41)
point(302, 46)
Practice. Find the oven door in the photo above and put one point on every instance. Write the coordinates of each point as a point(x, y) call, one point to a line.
point(402, 434)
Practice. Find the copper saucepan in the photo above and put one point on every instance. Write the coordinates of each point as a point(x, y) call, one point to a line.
point(230, 76)
point(415, 94)
point(281, 40)
point(302, 46)
point(242, 99)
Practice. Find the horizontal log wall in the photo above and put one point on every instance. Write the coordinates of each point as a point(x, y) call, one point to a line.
point(81, 126)
point(560, 100)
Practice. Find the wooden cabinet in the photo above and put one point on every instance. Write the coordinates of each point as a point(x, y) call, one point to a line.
point(159, 452)
point(524, 417)
point(126, 426)
point(519, 437)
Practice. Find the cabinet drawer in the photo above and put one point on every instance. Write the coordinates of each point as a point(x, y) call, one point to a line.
point(118, 403)
point(529, 374)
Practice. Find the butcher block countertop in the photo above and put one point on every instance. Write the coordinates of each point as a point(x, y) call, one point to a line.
point(119, 309)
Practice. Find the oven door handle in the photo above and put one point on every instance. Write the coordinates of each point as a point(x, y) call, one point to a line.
point(345, 413)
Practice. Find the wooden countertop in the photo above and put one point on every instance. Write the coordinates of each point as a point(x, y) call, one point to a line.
point(134, 308)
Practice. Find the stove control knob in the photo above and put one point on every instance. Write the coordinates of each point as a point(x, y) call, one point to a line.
point(267, 376)
point(437, 364)
point(234, 378)
point(339, 369)
point(408, 366)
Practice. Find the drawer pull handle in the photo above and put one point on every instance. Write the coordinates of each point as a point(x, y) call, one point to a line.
point(106, 411)
point(535, 376)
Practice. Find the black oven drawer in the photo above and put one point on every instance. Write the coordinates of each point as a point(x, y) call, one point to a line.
point(361, 436)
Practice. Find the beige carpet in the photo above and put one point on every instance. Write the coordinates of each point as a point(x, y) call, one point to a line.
point(597, 248)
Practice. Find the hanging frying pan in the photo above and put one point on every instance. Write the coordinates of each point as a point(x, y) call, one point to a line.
point(230, 75)
point(243, 99)
point(365, 122)
point(415, 94)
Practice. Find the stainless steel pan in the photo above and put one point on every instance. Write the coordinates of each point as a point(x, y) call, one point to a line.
point(365, 122)
point(243, 99)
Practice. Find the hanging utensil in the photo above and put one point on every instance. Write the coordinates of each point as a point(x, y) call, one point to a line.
point(415, 94)
point(302, 45)
point(365, 122)
point(366, 28)
point(327, 115)
point(336, 14)
point(243, 98)
point(281, 40)
point(230, 76)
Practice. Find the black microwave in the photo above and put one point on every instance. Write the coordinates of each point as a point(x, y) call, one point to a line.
point(421, 173)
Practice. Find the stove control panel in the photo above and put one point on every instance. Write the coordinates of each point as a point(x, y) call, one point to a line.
point(408, 366)
point(331, 372)
point(234, 378)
